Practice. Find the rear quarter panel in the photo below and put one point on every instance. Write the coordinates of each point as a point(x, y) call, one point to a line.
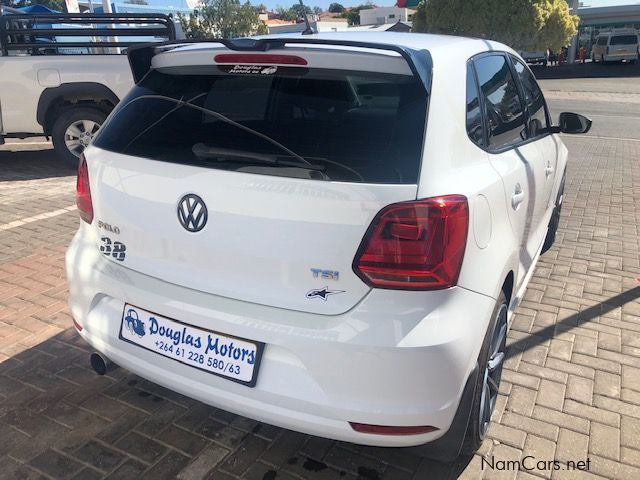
point(452, 164)
point(22, 82)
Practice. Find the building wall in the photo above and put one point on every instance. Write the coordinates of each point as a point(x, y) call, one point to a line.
point(383, 15)
point(286, 28)
point(134, 8)
point(319, 26)
point(331, 25)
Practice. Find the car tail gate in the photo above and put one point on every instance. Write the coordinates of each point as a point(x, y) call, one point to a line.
point(256, 176)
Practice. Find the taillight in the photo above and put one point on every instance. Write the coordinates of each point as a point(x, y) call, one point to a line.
point(259, 59)
point(416, 245)
point(607, 51)
point(83, 191)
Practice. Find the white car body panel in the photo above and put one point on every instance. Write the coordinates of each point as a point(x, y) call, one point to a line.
point(318, 372)
point(323, 362)
point(254, 243)
point(22, 83)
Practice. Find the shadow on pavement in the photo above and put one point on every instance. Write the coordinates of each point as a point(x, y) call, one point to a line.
point(588, 70)
point(59, 418)
point(574, 320)
point(16, 163)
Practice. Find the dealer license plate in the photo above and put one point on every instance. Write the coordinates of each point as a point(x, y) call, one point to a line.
point(234, 358)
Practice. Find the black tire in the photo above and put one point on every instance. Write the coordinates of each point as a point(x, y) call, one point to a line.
point(64, 122)
point(496, 333)
point(555, 220)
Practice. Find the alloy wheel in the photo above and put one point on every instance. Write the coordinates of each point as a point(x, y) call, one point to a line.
point(493, 371)
point(79, 134)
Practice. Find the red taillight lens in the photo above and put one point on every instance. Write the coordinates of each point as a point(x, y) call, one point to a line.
point(415, 245)
point(259, 59)
point(83, 192)
point(391, 430)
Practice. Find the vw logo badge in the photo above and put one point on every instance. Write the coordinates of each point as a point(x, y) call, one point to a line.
point(192, 213)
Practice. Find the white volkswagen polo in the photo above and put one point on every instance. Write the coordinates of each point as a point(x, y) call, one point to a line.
point(326, 232)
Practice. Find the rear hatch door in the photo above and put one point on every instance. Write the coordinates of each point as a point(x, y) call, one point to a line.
point(257, 178)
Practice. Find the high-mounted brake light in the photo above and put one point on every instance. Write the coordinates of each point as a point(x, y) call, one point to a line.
point(416, 245)
point(391, 430)
point(259, 59)
point(83, 191)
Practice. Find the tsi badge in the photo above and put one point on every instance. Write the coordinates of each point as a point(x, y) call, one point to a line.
point(326, 274)
point(322, 293)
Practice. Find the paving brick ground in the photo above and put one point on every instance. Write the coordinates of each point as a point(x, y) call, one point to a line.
point(571, 388)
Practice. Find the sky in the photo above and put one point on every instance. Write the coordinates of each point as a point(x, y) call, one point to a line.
point(324, 4)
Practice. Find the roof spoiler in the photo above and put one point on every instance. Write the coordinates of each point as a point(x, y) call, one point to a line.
point(140, 56)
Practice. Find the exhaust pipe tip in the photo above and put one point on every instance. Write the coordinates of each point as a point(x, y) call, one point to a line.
point(100, 364)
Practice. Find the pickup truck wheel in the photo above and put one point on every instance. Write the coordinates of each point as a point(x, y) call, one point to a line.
point(73, 131)
point(490, 361)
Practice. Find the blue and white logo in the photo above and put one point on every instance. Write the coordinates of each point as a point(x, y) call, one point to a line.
point(134, 324)
point(322, 293)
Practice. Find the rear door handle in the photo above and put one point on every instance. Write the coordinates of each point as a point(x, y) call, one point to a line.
point(517, 197)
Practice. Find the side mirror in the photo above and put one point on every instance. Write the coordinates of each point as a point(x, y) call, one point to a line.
point(573, 123)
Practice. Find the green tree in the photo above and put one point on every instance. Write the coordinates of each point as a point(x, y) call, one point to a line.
point(419, 18)
point(521, 24)
point(336, 8)
point(297, 9)
point(558, 25)
point(222, 18)
point(317, 10)
point(286, 13)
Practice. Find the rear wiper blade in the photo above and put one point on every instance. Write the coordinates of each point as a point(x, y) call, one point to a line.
point(224, 119)
point(217, 154)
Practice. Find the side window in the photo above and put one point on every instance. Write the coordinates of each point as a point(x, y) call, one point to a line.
point(503, 109)
point(475, 128)
point(534, 99)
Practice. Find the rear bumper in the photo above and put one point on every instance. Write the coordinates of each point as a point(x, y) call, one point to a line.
point(614, 57)
point(397, 358)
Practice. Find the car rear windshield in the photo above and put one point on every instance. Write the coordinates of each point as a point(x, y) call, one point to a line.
point(624, 40)
point(310, 123)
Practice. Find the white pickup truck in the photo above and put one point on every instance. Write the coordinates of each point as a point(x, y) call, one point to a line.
point(61, 74)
